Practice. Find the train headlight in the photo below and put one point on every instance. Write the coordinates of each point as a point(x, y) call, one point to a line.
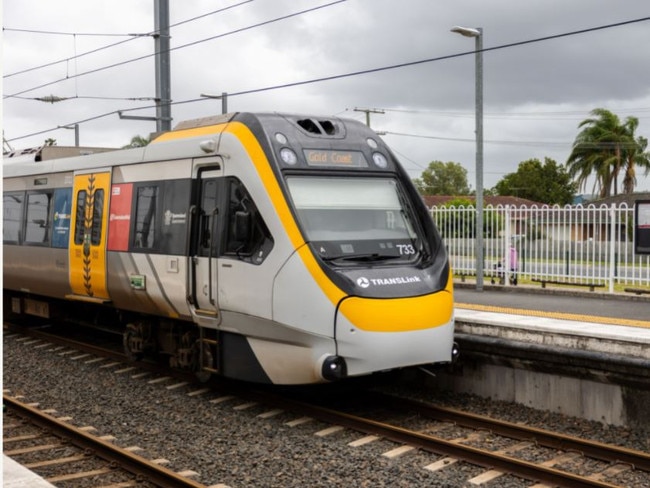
point(288, 156)
point(455, 352)
point(380, 160)
point(334, 368)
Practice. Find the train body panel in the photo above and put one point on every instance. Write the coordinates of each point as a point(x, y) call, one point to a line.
point(264, 247)
point(300, 302)
point(43, 273)
point(149, 283)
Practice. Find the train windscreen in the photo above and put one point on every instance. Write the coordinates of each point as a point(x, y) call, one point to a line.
point(353, 219)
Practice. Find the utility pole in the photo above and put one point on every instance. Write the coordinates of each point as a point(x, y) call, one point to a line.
point(368, 111)
point(163, 70)
point(6, 147)
point(224, 100)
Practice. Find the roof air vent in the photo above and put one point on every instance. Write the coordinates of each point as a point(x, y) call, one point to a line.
point(320, 127)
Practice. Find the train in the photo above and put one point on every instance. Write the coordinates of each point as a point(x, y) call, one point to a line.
point(265, 247)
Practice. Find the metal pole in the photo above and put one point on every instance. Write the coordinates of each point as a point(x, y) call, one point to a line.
point(368, 111)
point(479, 160)
point(76, 135)
point(163, 76)
point(224, 103)
point(477, 34)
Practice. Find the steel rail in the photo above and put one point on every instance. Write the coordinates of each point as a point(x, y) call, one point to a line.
point(604, 452)
point(434, 444)
point(139, 466)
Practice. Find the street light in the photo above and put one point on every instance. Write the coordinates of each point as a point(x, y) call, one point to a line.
point(224, 100)
point(76, 132)
point(477, 34)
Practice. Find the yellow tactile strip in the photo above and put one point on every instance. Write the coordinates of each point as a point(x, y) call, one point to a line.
point(555, 315)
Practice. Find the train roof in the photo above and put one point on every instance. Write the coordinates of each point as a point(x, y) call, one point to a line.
point(188, 139)
point(47, 152)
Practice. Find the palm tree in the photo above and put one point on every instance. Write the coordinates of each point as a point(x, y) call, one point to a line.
point(635, 156)
point(137, 141)
point(603, 148)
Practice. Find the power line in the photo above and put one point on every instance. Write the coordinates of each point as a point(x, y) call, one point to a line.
point(325, 78)
point(537, 115)
point(236, 31)
point(132, 37)
point(54, 99)
point(430, 60)
point(556, 144)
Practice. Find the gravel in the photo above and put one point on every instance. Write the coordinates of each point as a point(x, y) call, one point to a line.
point(237, 447)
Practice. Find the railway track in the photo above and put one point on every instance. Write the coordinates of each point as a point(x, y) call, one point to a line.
point(561, 448)
point(77, 455)
point(500, 448)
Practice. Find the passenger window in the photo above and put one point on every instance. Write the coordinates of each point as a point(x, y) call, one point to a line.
point(247, 236)
point(79, 224)
point(12, 216)
point(208, 216)
point(37, 228)
point(145, 217)
point(96, 212)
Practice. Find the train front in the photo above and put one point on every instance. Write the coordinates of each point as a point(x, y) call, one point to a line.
point(370, 269)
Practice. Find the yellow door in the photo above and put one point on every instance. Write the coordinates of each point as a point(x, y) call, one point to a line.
point(87, 251)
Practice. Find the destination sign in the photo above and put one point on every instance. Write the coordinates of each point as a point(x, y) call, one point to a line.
point(328, 158)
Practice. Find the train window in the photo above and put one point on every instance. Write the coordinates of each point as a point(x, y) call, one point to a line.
point(247, 236)
point(145, 217)
point(80, 221)
point(12, 216)
point(96, 213)
point(208, 216)
point(61, 219)
point(175, 218)
point(37, 226)
point(349, 218)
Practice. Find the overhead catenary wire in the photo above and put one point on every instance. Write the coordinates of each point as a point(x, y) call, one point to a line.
point(132, 37)
point(189, 44)
point(324, 78)
point(345, 75)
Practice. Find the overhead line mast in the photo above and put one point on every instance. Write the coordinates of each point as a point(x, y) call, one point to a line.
point(163, 69)
point(368, 111)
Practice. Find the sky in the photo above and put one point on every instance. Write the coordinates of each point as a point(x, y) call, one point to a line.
point(416, 75)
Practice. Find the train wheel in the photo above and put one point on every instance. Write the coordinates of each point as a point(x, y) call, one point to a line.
point(203, 361)
point(133, 342)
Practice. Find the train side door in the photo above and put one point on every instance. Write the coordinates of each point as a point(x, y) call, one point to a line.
point(87, 250)
point(204, 246)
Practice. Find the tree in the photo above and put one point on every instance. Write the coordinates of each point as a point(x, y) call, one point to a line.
point(137, 141)
point(635, 156)
point(50, 142)
point(549, 183)
point(463, 223)
point(603, 149)
point(443, 179)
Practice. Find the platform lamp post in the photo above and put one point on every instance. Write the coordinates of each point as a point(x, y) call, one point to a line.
point(477, 34)
point(74, 127)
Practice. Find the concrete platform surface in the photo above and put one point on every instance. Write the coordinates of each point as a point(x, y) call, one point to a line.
point(15, 475)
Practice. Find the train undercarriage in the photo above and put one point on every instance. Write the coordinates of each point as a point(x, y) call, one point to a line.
point(182, 345)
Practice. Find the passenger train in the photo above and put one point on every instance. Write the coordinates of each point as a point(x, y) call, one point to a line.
point(270, 248)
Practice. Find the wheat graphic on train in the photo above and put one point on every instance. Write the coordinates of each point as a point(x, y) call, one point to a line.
point(271, 248)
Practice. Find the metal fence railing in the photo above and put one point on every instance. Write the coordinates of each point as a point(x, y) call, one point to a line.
point(576, 244)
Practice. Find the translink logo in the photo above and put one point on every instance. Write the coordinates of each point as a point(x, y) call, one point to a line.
point(400, 280)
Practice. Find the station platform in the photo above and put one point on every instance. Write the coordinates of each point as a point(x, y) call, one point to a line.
point(15, 475)
point(588, 321)
point(579, 353)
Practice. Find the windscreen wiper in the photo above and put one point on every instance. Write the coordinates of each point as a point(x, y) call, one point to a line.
point(365, 257)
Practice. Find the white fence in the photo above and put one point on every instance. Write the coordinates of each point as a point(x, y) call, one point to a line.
point(587, 245)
